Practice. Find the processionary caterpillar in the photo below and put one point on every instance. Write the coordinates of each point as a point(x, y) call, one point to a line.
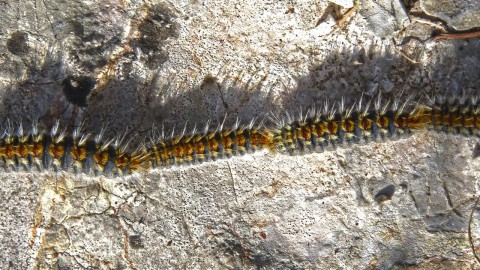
point(57, 150)
point(327, 128)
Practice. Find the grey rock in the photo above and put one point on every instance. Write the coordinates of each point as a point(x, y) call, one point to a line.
point(184, 62)
point(384, 17)
point(460, 15)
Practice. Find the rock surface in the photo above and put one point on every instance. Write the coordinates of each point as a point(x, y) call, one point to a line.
point(460, 15)
point(394, 204)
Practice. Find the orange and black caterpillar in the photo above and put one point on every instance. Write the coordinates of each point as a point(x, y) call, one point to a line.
point(317, 130)
point(336, 127)
point(209, 145)
point(455, 115)
point(56, 150)
point(332, 127)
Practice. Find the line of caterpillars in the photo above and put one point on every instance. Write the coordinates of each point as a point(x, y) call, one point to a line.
point(313, 131)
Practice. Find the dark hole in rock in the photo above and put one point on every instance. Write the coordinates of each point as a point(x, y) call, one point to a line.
point(135, 241)
point(385, 194)
point(76, 90)
point(17, 43)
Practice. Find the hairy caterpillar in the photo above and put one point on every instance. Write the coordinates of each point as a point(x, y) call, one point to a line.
point(209, 145)
point(330, 127)
point(56, 150)
point(455, 115)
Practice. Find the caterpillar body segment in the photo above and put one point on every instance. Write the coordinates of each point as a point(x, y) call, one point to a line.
point(197, 148)
point(61, 151)
point(330, 129)
point(455, 115)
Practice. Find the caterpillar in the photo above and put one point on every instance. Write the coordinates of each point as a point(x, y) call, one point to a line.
point(209, 145)
point(317, 130)
point(455, 115)
point(57, 150)
point(332, 127)
point(321, 130)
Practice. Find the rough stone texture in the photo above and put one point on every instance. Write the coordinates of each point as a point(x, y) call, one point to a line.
point(394, 204)
point(460, 15)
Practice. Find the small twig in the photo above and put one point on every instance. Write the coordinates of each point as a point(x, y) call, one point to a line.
point(408, 58)
point(449, 36)
point(470, 240)
point(430, 23)
point(342, 22)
